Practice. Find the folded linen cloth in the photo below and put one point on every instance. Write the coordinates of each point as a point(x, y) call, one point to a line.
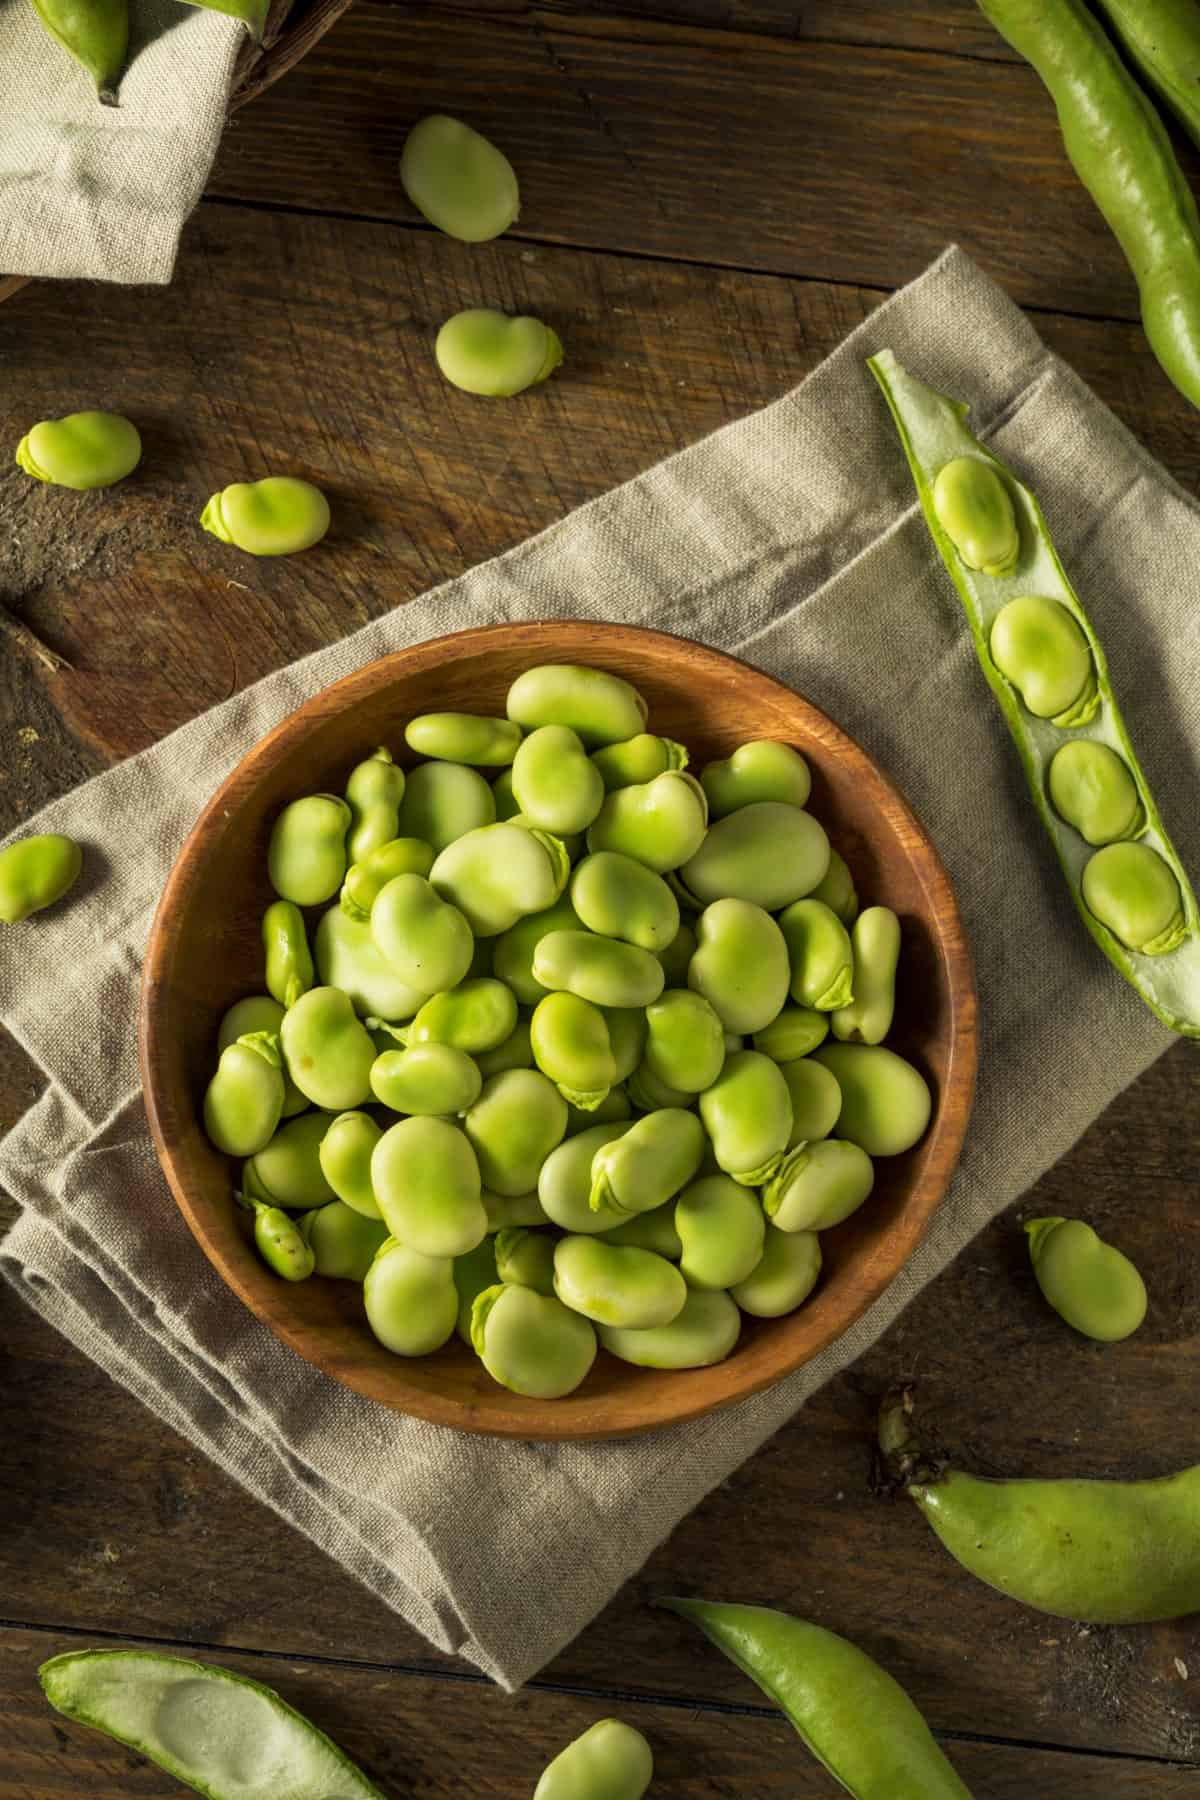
point(103, 191)
point(793, 538)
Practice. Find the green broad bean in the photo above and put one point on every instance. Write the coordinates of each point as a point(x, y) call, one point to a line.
point(506, 1211)
point(349, 957)
point(516, 1052)
point(762, 770)
point(525, 1258)
point(626, 1036)
point(274, 517)
point(648, 1164)
point(820, 954)
point(609, 1761)
point(516, 1122)
point(931, 427)
point(816, 1100)
point(475, 1016)
point(677, 956)
point(600, 969)
point(660, 823)
point(817, 1185)
point(306, 857)
point(288, 960)
point(740, 965)
point(685, 1041)
point(221, 1734)
point(345, 1155)
point(1088, 1283)
point(512, 956)
point(784, 1276)
point(424, 939)
point(373, 794)
point(344, 1243)
point(251, 13)
point(973, 508)
point(486, 352)
point(654, 1230)
point(35, 872)
point(328, 1050)
point(366, 880)
point(504, 799)
point(84, 450)
point(638, 760)
point(473, 1272)
point(428, 1078)
point(281, 1243)
point(616, 1284)
point(875, 941)
point(257, 1012)
point(721, 1229)
point(442, 802)
point(599, 707)
point(620, 898)
point(613, 1109)
point(458, 180)
point(1038, 647)
point(531, 1343)
point(886, 1103)
point(793, 1033)
point(836, 890)
point(288, 1170)
point(426, 1181)
point(1133, 893)
point(858, 1722)
point(555, 783)
point(766, 851)
point(498, 873)
point(463, 738)
point(1092, 789)
point(747, 1113)
point(570, 1043)
point(244, 1100)
point(703, 1332)
point(649, 1094)
point(410, 1299)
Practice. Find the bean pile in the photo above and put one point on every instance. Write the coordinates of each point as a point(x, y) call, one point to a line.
point(509, 1087)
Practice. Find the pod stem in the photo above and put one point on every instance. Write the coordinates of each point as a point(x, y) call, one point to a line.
point(904, 1460)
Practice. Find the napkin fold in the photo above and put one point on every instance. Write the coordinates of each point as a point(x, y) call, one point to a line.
point(793, 538)
point(103, 191)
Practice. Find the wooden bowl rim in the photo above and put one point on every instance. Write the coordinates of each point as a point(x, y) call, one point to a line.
point(513, 1415)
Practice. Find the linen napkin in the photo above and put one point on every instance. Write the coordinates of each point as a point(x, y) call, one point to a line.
point(103, 191)
point(792, 537)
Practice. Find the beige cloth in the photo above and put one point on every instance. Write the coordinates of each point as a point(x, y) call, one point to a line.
point(793, 538)
point(103, 191)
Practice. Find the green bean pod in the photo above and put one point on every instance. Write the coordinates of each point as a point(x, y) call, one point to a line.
point(96, 33)
point(1101, 1552)
point(1161, 38)
point(1134, 897)
point(855, 1719)
point(252, 13)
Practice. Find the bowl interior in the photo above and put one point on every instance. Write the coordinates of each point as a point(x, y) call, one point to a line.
point(205, 952)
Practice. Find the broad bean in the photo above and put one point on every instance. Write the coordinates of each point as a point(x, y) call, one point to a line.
point(761, 770)
point(427, 1078)
point(345, 1155)
point(620, 898)
point(685, 1041)
point(328, 1050)
point(613, 1109)
point(875, 940)
point(349, 957)
point(486, 352)
point(660, 823)
point(512, 954)
point(84, 450)
point(766, 851)
point(615, 1284)
point(344, 1243)
point(649, 1094)
point(288, 960)
point(1133, 892)
point(35, 872)
point(426, 1180)
point(463, 738)
point(886, 1103)
point(410, 1299)
point(280, 1242)
point(504, 1211)
point(525, 1258)
point(1092, 788)
point(638, 760)
point(600, 969)
point(565, 1181)
point(516, 1122)
point(425, 940)
point(609, 1761)
point(570, 1042)
point(740, 965)
point(820, 954)
point(784, 1276)
point(973, 508)
point(836, 890)
point(306, 857)
point(1087, 1282)
point(556, 785)
point(274, 517)
point(817, 1185)
point(703, 1332)
point(516, 1052)
point(442, 802)
point(654, 1230)
point(721, 1230)
point(649, 1163)
point(288, 1170)
point(816, 1100)
point(366, 880)
point(373, 794)
point(498, 873)
point(244, 1099)
point(600, 707)
point(531, 1343)
point(793, 1033)
point(747, 1113)
point(458, 180)
point(1037, 645)
point(475, 1016)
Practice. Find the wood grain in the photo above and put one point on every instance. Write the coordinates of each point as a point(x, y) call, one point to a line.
point(204, 952)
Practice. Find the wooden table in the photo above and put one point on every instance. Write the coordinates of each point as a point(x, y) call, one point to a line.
point(714, 194)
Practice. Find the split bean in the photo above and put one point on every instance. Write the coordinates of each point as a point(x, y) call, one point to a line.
point(274, 517)
point(886, 1103)
point(463, 738)
point(486, 352)
point(458, 180)
point(570, 1042)
point(516, 1122)
point(817, 1185)
point(600, 969)
point(620, 898)
point(531, 1343)
point(721, 1231)
point(875, 941)
point(306, 857)
point(1133, 892)
point(525, 1258)
point(498, 873)
point(328, 1050)
point(345, 1155)
point(822, 961)
point(344, 1243)
point(373, 794)
point(366, 880)
point(660, 823)
point(747, 1113)
point(740, 965)
point(244, 1100)
point(425, 939)
point(761, 770)
point(648, 1164)
point(410, 1299)
point(84, 450)
point(638, 760)
point(973, 508)
point(685, 1041)
point(443, 802)
point(609, 1761)
point(600, 707)
point(426, 1180)
point(784, 1276)
point(1039, 648)
point(288, 1170)
point(35, 872)
point(616, 1284)
point(427, 1078)
point(289, 965)
point(793, 1033)
point(1093, 790)
point(703, 1332)
point(1087, 1282)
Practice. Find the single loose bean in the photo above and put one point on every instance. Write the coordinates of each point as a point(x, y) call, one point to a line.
point(570, 1041)
point(531, 1342)
point(288, 1170)
point(426, 1180)
point(721, 1228)
point(816, 1100)
point(618, 897)
point(747, 1113)
point(425, 939)
point(886, 1103)
point(796, 1031)
point(555, 783)
point(328, 1050)
point(498, 873)
point(836, 890)
point(649, 1163)
point(617, 1284)
point(344, 1243)
point(565, 1181)
point(244, 1099)
point(685, 1041)
point(410, 1299)
point(475, 1016)
point(518, 1119)
point(817, 1185)
point(486, 352)
point(609, 1761)
point(1087, 1282)
point(703, 1332)
point(348, 957)
point(740, 964)
point(767, 852)
point(660, 823)
point(86, 449)
point(345, 1156)
point(458, 179)
point(428, 1078)
point(602, 970)
point(784, 1276)
point(274, 517)
point(306, 857)
point(35, 872)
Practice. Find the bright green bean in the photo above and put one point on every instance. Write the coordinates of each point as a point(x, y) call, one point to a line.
point(1133, 893)
point(306, 857)
point(796, 1031)
point(651, 1161)
point(35, 872)
point(784, 1276)
point(702, 1333)
point(344, 1243)
point(442, 802)
point(427, 1078)
point(288, 1170)
point(525, 1258)
point(600, 969)
point(244, 1099)
point(463, 738)
point(486, 352)
point(660, 823)
point(600, 707)
point(816, 1100)
point(512, 955)
point(565, 1181)
point(875, 940)
point(555, 783)
point(973, 508)
point(366, 880)
point(654, 1230)
point(349, 957)
point(836, 890)
point(616, 1284)
point(516, 1122)
point(1087, 1282)
point(423, 937)
point(618, 897)
point(345, 1157)
point(289, 964)
point(817, 1185)
point(328, 1051)
point(570, 1042)
point(410, 1299)
point(475, 1016)
point(685, 1041)
point(373, 794)
point(639, 759)
point(426, 1180)
point(609, 1761)
point(458, 180)
point(531, 1343)
point(740, 965)
point(274, 517)
point(1091, 787)
point(1036, 644)
point(721, 1232)
point(886, 1103)
point(820, 953)
point(762, 770)
point(86, 449)
point(747, 1113)
point(498, 873)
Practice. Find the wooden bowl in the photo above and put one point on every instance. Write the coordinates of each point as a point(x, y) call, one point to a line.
point(204, 953)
